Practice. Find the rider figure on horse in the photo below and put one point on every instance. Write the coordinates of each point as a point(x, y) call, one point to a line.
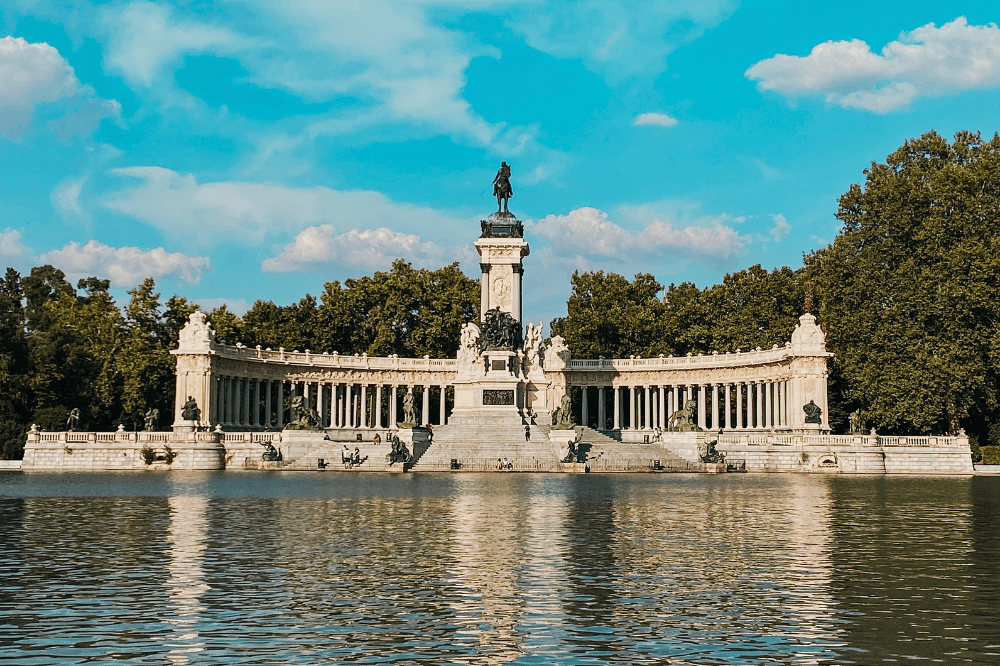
point(501, 187)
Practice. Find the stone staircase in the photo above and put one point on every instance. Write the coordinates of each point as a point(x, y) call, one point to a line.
point(605, 454)
point(477, 448)
point(306, 455)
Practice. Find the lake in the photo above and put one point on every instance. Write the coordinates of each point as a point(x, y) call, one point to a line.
point(500, 568)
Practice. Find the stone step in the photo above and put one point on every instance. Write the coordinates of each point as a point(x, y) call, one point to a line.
point(607, 454)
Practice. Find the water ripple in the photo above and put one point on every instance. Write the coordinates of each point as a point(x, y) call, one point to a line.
point(259, 568)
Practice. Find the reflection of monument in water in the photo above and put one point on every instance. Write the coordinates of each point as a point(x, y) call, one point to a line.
point(186, 583)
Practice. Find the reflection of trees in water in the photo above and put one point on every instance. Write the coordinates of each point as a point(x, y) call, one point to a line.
point(900, 574)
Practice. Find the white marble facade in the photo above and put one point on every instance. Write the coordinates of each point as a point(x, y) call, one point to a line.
point(759, 390)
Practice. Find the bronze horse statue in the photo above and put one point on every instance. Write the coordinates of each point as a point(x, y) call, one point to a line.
point(502, 189)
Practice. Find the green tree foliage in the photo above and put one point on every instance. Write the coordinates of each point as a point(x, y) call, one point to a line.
point(145, 364)
point(609, 316)
point(14, 366)
point(909, 291)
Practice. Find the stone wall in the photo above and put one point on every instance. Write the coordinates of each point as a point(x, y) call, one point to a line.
point(121, 450)
point(848, 454)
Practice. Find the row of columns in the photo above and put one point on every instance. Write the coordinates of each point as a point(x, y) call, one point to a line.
point(750, 405)
point(251, 402)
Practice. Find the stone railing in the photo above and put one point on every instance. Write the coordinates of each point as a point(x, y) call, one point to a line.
point(121, 436)
point(334, 360)
point(713, 360)
point(778, 439)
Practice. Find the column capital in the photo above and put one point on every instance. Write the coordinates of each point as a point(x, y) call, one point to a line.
point(485, 268)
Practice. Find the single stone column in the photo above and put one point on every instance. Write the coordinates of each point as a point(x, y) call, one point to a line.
point(702, 411)
point(618, 411)
point(515, 291)
point(485, 290)
point(768, 417)
point(348, 407)
point(281, 405)
point(677, 399)
point(393, 417)
point(363, 407)
point(583, 406)
point(739, 405)
point(378, 406)
point(425, 407)
point(729, 418)
point(267, 403)
point(647, 420)
point(444, 397)
point(757, 405)
point(661, 416)
point(233, 405)
point(602, 410)
point(631, 408)
point(715, 406)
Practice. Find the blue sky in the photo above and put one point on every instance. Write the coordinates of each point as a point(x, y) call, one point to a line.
point(254, 150)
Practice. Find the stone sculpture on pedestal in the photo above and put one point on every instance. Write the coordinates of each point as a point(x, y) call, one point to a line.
point(562, 418)
point(303, 416)
point(814, 414)
point(409, 413)
point(190, 411)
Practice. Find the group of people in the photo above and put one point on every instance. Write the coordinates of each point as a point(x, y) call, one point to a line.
point(350, 458)
point(503, 464)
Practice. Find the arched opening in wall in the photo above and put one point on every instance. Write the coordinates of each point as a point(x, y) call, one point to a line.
point(827, 463)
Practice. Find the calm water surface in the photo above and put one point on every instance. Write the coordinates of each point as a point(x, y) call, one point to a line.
point(310, 568)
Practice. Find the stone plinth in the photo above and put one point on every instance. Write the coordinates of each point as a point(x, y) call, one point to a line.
point(715, 468)
point(574, 468)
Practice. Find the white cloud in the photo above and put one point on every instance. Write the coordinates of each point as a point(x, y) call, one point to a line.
point(66, 199)
point(125, 266)
point(619, 41)
point(589, 232)
point(321, 246)
point(11, 248)
point(244, 213)
point(926, 62)
point(780, 228)
point(146, 38)
point(656, 119)
point(33, 74)
point(30, 74)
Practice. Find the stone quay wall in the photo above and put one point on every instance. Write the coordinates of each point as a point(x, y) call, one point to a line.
point(847, 454)
point(122, 450)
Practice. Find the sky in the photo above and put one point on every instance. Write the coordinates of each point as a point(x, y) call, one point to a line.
point(237, 151)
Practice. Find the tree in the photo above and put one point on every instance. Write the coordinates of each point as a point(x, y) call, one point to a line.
point(14, 367)
point(611, 317)
point(909, 290)
point(145, 364)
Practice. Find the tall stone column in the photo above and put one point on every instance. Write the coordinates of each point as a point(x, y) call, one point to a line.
point(661, 416)
point(618, 407)
point(425, 406)
point(677, 398)
point(647, 420)
point(631, 408)
point(729, 416)
point(583, 406)
point(348, 406)
point(768, 417)
point(364, 406)
point(267, 403)
point(393, 416)
point(485, 289)
point(517, 273)
point(702, 411)
point(378, 405)
point(739, 405)
point(715, 406)
point(602, 410)
point(758, 403)
point(444, 397)
point(281, 405)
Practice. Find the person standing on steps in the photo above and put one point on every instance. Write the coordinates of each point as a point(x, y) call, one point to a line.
point(527, 433)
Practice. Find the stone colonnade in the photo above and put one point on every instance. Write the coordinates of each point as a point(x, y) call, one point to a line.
point(252, 402)
point(744, 405)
